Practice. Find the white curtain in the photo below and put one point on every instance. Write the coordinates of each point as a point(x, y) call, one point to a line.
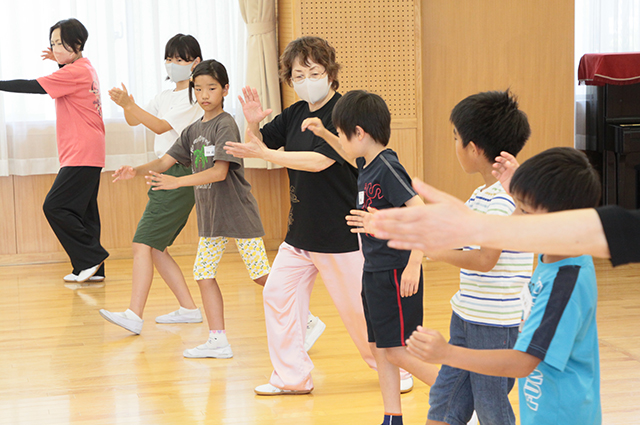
point(262, 62)
point(602, 26)
point(126, 45)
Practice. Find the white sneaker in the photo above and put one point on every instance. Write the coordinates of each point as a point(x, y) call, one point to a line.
point(127, 319)
point(268, 389)
point(474, 419)
point(213, 348)
point(74, 278)
point(87, 273)
point(406, 385)
point(182, 315)
point(315, 327)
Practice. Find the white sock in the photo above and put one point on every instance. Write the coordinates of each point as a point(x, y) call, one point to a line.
point(188, 310)
point(219, 338)
point(131, 315)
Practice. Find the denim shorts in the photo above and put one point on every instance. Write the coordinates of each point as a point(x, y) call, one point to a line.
point(457, 393)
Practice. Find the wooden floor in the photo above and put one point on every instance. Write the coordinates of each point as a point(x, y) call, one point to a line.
point(61, 363)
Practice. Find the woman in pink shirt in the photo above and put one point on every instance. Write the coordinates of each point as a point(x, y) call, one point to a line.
point(71, 206)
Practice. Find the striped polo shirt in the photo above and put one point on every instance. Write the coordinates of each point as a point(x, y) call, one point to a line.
point(493, 298)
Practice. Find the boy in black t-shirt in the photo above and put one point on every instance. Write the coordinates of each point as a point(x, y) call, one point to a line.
point(392, 284)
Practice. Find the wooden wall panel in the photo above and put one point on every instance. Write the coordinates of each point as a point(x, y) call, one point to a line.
point(33, 234)
point(399, 137)
point(7, 217)
point(288, 29)
point(121, 206)
point(31, 240)
point(469, 47)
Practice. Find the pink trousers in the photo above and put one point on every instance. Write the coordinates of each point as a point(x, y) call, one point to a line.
point(286, 307)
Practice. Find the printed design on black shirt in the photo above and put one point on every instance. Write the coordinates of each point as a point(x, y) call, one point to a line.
point(95, 89)
point(198, 157)
point(372, 191)
point(294, 200)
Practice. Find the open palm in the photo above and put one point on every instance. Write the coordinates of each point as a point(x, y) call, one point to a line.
point(251, 106)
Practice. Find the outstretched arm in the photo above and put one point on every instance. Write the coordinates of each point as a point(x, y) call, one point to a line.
point(159, 165)
point(217, 173)
point(134, 114)
point(254, 147)
point(448, 223)
point(22, 86)
point(429, 346)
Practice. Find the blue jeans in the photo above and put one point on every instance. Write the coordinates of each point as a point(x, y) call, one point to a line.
point(457, 393)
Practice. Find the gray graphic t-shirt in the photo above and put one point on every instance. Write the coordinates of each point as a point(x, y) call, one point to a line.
point(225, 208)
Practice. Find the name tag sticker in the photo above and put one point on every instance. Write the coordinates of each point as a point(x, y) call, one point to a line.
point(360, 199)
point(209, 151)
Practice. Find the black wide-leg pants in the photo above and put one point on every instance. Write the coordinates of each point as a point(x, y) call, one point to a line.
point(71, 207)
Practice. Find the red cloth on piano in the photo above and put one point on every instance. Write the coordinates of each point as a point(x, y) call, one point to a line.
point(598, 69)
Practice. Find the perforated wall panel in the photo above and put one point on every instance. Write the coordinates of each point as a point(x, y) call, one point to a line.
point(375, 41)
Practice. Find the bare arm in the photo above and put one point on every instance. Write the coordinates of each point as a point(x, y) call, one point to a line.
point(448, 223)
point(411, 276)
point(217, 173)
point(482, 260)
point(303, 161)
point(254, 147)
point(135, 115)
point(159, 165)
point(429, 346)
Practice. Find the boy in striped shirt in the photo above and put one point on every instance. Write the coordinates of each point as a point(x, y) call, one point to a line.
point(487, 308)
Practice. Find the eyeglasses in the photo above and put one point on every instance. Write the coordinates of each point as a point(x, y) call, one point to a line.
point(314, 76)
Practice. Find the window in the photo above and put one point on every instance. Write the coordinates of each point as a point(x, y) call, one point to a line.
point(125, 45)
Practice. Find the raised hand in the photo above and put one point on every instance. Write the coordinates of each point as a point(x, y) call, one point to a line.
point(48, 54)
point(315, 125)
point(121, 96)
point(251, 106)
point(504, 167)
point(125, 172)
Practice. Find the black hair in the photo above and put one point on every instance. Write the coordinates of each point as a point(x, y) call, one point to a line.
point(557, 179)
point(210, 67)
point(366, 110)
point(185, 47)
point(493, 122)
point(72, 34)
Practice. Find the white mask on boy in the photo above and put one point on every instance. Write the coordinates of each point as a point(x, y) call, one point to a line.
point(177, 72)
point(312, 91)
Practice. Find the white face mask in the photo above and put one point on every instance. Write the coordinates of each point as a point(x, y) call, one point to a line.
point(312, 91)
point(177, 72)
